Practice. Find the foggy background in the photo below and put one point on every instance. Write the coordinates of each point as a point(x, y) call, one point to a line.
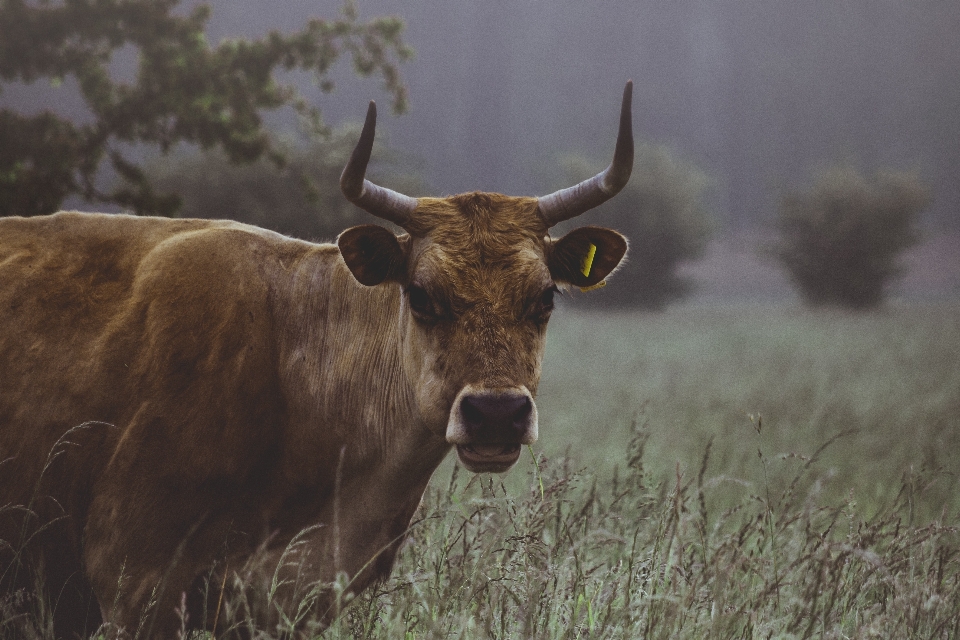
point(756, 94)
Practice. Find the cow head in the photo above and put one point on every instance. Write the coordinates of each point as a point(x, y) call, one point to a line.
point(479, 273)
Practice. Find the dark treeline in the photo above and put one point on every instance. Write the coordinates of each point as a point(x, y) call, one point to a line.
point(756, 93)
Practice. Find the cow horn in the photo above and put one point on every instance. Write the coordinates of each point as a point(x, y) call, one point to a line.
point(572, 201)
point(380, 201)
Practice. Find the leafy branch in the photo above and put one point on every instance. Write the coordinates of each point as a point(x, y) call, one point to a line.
point(186, 90)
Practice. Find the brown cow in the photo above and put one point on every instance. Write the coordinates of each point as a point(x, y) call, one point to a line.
point(174, 393)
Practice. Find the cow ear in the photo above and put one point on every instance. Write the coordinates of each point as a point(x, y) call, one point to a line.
point(585, 256)
point(372, 254)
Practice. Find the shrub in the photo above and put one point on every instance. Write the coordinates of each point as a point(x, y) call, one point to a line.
point(840, 242)
point(301, 199)
point(661, 212)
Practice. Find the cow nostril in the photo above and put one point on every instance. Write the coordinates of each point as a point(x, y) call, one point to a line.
point(473, 415)
point(521, 415)
point(497, 413)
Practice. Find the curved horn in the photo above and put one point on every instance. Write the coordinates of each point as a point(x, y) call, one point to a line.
point(572, 201)
point(380, 201)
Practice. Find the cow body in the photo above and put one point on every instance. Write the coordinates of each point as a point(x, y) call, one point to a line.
point(220, 395)
point(176, 394)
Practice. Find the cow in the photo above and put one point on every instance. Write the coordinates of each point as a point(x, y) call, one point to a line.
point(177, 393)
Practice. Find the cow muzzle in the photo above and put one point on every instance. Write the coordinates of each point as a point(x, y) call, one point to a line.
point(488, 426)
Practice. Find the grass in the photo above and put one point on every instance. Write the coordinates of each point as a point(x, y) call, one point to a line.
point(641, 559)
point(749, 472)
point(889, 380)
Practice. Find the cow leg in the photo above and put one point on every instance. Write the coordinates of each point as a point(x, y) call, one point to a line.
point(44, 578)
point(72, 602)
point(141, 556)
point(357, 552)
point(136, 595)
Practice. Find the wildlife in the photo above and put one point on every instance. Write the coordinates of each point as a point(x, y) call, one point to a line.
point(177, 394)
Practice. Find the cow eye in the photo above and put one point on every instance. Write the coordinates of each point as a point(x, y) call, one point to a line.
point(541, 311)
point(546, 300)
point(420, 303)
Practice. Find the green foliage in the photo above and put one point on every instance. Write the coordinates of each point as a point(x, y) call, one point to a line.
point(662, 214)
point(186, 90)
point(301, 199)
point(841, 240)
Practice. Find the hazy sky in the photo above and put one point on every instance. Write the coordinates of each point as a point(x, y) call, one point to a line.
point(757, 93)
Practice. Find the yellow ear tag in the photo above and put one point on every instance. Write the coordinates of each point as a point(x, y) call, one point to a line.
point(599, 285)
point(587, 262)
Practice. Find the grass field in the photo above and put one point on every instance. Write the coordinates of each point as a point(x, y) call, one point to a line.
point(712, 471)
point(753, 471)
point(889, 381)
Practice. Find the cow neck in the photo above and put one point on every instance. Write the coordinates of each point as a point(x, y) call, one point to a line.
point(340, 363)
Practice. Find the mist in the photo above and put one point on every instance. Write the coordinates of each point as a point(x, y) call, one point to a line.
point(758, 95)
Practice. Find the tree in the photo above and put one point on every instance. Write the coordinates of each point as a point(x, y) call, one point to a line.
point(301, 199)
point(186, 90)
point(662, 214)
point(840, 241)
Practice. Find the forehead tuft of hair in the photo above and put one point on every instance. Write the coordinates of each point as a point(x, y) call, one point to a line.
point(479, 215)
point(476, 239)
point(479, 205)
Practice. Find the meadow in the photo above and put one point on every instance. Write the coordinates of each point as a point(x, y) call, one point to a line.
point(773, 378)
point(757, 471)
point(713, 471)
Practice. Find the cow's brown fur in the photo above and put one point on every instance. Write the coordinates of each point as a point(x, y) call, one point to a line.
point(174, 392)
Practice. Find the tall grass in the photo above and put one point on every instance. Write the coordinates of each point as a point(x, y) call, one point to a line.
point(633, 556)
point(748, 472)
point(889, 380)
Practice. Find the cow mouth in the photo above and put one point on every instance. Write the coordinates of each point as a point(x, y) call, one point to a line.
point(493, 457)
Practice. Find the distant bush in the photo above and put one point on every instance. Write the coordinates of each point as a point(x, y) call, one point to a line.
point(840, 242)
point(661, 212)
point(301, 199)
